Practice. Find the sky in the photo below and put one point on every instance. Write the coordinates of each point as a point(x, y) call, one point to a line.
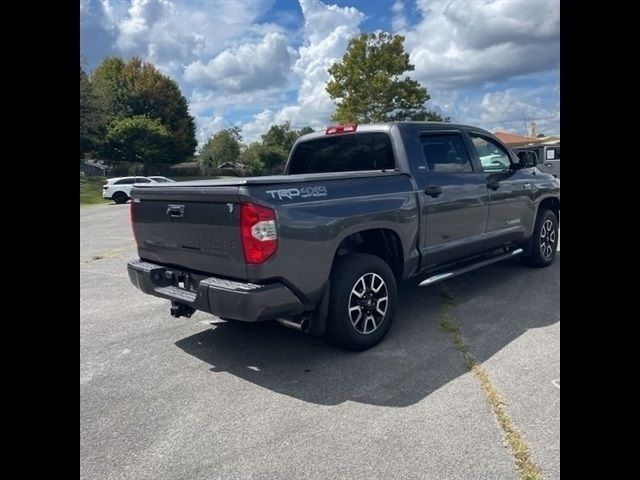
point(255, 63)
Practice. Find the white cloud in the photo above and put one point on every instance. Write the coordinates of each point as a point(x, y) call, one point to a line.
point(143, 15)
point(204, 102)
point(327, 31)
point(207, 126)
point(233, 66)
point(506, 110)
point(172, 35)
point(99, 12)
point(259, 125)
point(398, 19)
point(456, 46)
point(108, 20)
point(249, 67)
point(465, 44)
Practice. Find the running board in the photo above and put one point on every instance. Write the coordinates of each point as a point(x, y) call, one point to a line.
point(444, 276)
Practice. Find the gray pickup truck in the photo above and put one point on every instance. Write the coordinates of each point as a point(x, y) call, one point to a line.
point(359, 209)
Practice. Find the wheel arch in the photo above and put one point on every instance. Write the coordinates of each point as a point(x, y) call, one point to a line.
point(550, 203)
point(381, 241)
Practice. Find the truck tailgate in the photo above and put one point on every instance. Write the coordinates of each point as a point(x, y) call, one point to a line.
point(190, 226)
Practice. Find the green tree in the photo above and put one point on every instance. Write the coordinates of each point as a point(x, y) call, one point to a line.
point(224, 146)
point(280, 136)
point(262, 159)
point(110, 88)
point(252, 157)
point(368, 84)
point(137, 139)
point(305, 130)
point(92, 119)
point(137, 88)
point(277, 144)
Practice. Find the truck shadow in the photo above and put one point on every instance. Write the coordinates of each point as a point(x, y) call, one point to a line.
point(492, 306)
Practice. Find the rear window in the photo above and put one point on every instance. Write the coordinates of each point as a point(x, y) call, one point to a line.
point(343, 153)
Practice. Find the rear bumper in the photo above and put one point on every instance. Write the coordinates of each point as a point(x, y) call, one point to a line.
point(248, 302)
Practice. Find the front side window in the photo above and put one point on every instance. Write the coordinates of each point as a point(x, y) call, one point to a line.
point(343, 153)
point(445, 153)
point(493, 157)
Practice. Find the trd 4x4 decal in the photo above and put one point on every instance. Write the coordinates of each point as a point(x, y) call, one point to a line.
point(304, 192)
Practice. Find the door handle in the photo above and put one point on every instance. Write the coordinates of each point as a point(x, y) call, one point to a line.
point(433, 191)
point(493, 184)
point(548, 165)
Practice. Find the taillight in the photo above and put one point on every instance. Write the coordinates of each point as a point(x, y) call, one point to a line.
point(132, 217)
point(351, 127)
point(258, 232)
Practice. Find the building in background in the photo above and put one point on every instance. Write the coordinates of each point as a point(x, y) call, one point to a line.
point(93, 168)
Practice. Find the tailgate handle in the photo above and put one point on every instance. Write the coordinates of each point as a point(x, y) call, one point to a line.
point(175, 211)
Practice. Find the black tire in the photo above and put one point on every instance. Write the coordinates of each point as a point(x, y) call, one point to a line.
point(348, 273)
point(120, 197)
point(541, 248)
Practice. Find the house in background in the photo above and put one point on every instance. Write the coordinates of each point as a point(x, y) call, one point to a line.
point(513, 140)
point(546, 148)
point(532, 138)
point(93, 168)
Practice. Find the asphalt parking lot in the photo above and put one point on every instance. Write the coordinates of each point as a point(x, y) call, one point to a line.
point(200, 398)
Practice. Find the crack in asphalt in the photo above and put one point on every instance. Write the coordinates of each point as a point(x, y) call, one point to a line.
point(519, 449)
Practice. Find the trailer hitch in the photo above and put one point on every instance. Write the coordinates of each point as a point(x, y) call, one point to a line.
point(181, 310)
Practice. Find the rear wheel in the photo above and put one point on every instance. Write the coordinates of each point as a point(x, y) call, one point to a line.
point(363, 301)
point(120, 197)
point(541, 248)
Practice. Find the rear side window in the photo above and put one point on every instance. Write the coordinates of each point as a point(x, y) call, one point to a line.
point(445, 153)
point(343, 153)
point(125, 181)
point(142, 180)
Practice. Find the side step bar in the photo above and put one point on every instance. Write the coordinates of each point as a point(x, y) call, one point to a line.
point(454, 273)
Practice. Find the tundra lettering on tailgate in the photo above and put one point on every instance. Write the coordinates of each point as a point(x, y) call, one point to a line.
point(213, 246)
point(304, 192)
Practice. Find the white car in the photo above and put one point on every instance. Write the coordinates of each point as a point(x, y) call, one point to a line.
point(119, 189)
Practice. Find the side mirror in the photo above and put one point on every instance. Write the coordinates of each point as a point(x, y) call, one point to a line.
point(528, 158)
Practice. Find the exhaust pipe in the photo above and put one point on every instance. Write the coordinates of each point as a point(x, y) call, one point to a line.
point(301, 325)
